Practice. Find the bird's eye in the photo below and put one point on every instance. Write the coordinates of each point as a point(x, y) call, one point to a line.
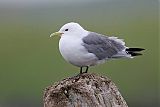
point(66, 29)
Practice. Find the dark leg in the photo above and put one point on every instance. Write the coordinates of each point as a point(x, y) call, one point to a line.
point(81, 70)
point(86, 69)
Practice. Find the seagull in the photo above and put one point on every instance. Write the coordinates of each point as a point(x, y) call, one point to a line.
point(84, 48)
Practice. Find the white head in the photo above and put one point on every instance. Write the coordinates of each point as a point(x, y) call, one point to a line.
point(70, 29)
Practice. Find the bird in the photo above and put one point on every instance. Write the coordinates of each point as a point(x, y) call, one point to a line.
point(84, 48)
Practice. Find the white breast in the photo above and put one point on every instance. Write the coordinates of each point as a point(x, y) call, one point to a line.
point(74, 53)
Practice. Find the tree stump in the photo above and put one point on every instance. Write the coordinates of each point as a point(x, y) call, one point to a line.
point(84, 90)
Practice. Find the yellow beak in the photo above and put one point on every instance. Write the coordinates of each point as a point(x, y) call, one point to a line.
point(56, 34)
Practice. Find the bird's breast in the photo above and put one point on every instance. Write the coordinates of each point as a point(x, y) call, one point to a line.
point(73, 52)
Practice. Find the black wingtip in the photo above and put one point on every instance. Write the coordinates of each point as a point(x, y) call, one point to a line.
point(134, 54)
point(134, 49)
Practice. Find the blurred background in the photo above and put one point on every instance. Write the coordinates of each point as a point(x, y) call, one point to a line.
point(30, 60)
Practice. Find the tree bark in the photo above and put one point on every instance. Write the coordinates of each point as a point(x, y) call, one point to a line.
point(84, 90)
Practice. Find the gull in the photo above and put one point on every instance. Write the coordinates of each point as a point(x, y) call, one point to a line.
point(84, 48)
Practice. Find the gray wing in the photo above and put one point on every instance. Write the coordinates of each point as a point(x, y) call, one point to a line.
point(103, 46)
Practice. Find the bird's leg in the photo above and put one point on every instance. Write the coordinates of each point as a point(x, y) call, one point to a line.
point(81, 70)
point(86, 69)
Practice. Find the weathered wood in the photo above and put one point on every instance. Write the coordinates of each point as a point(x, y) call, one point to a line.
point(85, 90)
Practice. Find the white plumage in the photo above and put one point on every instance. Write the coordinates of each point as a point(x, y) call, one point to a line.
point(83, 48)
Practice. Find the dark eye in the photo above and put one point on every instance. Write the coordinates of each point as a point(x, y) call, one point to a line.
point(66, 29)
